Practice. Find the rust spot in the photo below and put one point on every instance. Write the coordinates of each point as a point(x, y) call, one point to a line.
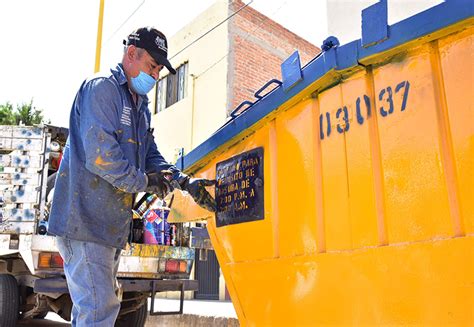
point(100, 162)
point(62, 175)
point(119, 131)
point(132, 141)
point(97, 150)
point(108, 154)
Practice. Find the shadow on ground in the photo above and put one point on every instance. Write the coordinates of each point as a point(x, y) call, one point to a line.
point(41, 323)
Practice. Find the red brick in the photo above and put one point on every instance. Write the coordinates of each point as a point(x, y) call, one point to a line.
point(257, 63)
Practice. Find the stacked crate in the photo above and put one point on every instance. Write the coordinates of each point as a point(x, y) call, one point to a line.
point(22, 151)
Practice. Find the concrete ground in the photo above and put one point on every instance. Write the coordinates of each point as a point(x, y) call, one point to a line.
point(187, 320)
point(196, 313)
point(198, 307)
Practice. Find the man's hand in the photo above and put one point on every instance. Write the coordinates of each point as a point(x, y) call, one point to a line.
point(197, 188)
point(160, 183)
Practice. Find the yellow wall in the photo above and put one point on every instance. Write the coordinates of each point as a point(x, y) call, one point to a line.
point(177, 126)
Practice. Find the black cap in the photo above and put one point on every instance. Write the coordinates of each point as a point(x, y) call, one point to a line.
point(154, 42)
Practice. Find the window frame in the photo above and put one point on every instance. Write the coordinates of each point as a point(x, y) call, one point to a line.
point(172, 88)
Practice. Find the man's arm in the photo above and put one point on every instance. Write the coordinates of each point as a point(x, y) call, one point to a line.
point(155, 162)
point(99, 121)
point(195, 186)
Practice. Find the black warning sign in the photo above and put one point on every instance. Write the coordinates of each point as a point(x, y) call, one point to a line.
point(239, 188)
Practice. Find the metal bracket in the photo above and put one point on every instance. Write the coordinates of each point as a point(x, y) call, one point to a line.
point(374, 24)
point(267, 84)
point(234, 113)
point(163, 313)
point(291, 71)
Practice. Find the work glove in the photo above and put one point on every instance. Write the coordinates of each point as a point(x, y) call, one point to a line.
point(197, 189)
point(160, 183)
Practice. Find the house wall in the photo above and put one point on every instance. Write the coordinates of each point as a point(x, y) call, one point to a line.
point(190, 121)
point(258, 46)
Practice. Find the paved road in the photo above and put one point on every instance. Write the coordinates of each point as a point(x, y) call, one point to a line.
point(215, 309)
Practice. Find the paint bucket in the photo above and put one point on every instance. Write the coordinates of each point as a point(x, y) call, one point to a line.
point(156, 229)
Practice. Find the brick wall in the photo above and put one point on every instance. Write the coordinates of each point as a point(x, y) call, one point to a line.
point(258, 45)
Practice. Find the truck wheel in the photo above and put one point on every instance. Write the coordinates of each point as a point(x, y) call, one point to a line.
point(135, 318)
point(9, 298)
point(65, 303)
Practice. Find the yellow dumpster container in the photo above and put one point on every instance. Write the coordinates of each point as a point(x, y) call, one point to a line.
point(345, 194)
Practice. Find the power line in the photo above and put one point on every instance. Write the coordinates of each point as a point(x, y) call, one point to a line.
point(245, 38)
point(209, 31)
point(125, 21)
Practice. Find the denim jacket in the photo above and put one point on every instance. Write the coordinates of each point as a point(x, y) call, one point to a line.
point(109, 149)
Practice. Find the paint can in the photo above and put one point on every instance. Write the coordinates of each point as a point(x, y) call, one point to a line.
point(156, 229)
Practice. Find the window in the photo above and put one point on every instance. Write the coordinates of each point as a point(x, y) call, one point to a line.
point(172, 88)
point(181, 74)
point(160, 95)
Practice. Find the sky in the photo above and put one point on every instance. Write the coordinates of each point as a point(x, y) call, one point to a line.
point(49, 46)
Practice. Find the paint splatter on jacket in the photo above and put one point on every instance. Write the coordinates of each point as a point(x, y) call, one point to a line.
point(109, 149)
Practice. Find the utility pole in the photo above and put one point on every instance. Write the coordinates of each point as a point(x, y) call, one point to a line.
point(99, 37)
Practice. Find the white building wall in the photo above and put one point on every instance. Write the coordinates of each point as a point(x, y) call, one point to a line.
point(190, 121)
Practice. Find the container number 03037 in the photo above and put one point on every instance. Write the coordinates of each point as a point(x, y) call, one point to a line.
point(341, 119)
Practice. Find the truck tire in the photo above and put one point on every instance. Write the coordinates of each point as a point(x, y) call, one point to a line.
point(41, 315)
point(66, 307)
point(136, 318)
point(9, 300)
point(133, 319)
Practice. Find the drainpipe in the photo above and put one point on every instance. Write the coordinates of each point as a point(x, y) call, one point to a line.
point(194, 77)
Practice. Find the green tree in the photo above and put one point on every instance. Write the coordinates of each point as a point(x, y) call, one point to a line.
point(7, 116)
point(25, 114)
point(28, 115)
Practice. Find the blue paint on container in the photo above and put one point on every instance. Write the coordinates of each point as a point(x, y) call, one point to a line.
point(375, 24)
point(291, 71)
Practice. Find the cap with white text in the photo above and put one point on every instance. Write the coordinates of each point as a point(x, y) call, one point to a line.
point(154, 42)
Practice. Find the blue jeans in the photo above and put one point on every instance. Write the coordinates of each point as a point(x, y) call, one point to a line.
point(90, 270)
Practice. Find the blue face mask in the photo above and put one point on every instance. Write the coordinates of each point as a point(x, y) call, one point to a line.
point(143, 83)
